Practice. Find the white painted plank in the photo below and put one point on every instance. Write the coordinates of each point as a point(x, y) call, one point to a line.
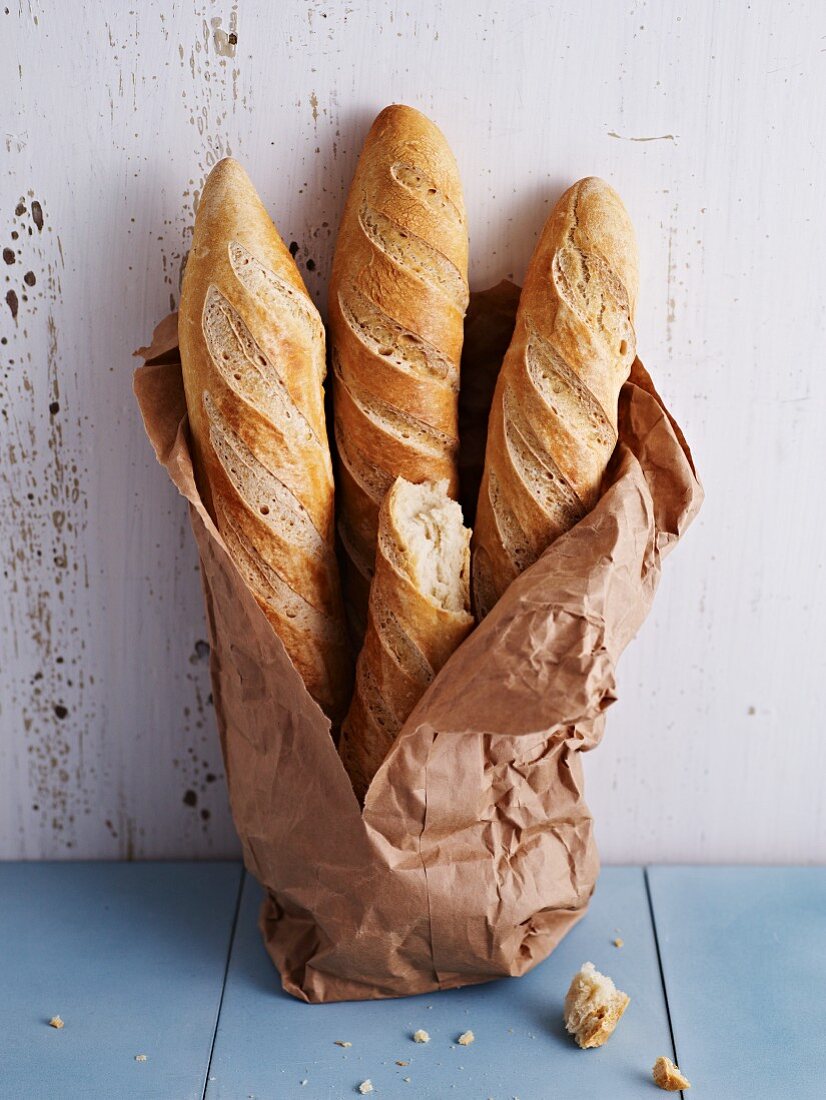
point(112, 119)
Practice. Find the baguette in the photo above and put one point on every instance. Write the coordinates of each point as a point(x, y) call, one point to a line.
point(418, 614)
point(553, 422)
point(252, 353)
point(398, 296)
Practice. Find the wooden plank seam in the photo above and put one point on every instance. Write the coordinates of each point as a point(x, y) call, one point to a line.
point(662, 972)
point(230, 945)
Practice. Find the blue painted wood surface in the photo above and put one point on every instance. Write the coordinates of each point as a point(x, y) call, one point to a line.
point(272, 1047)
point(132, 957)
point(744, 959)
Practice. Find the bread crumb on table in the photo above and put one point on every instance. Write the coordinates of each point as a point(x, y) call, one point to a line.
point(668, 1077)
point(466, 1038)
point(56, 1022)
point(342, 1043)
point(593, 1007)
point(140, 1057)
point(421, 1036)
point(398, 1063)
point(365, 1087)
point(618, 942)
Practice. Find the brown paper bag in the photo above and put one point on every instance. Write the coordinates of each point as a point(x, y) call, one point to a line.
point(474, 852)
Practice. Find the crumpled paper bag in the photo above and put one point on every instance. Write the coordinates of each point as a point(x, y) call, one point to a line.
point(474, 853)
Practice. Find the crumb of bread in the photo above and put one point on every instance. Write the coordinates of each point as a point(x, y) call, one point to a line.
point(668, 1077)
point(466, 1038)
point(407, 1080)
point(55, 1022)
point(342, 1043)
point(618, 942)
point(365, 1087)
point(398, 1063)
point(593, 1007)
point(421, 1036)
point(140, 1057)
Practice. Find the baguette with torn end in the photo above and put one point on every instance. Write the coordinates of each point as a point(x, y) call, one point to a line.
point(398, 295)
point(418, 614)
point(252, 353)
point(553, 422)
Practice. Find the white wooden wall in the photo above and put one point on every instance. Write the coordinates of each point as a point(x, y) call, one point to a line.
point(707, 117)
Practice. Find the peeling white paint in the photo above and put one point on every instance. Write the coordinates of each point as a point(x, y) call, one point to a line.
point(714, 751)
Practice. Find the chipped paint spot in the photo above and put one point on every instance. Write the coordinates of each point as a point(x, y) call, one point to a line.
point(225, 42)
point(671, 309)
point(657, 137)
point(16, 143)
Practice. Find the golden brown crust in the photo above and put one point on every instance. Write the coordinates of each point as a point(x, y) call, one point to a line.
point(409, 637)
point(252, 351)
point(668, 1077)
point(398, 294)
point(553, 421)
